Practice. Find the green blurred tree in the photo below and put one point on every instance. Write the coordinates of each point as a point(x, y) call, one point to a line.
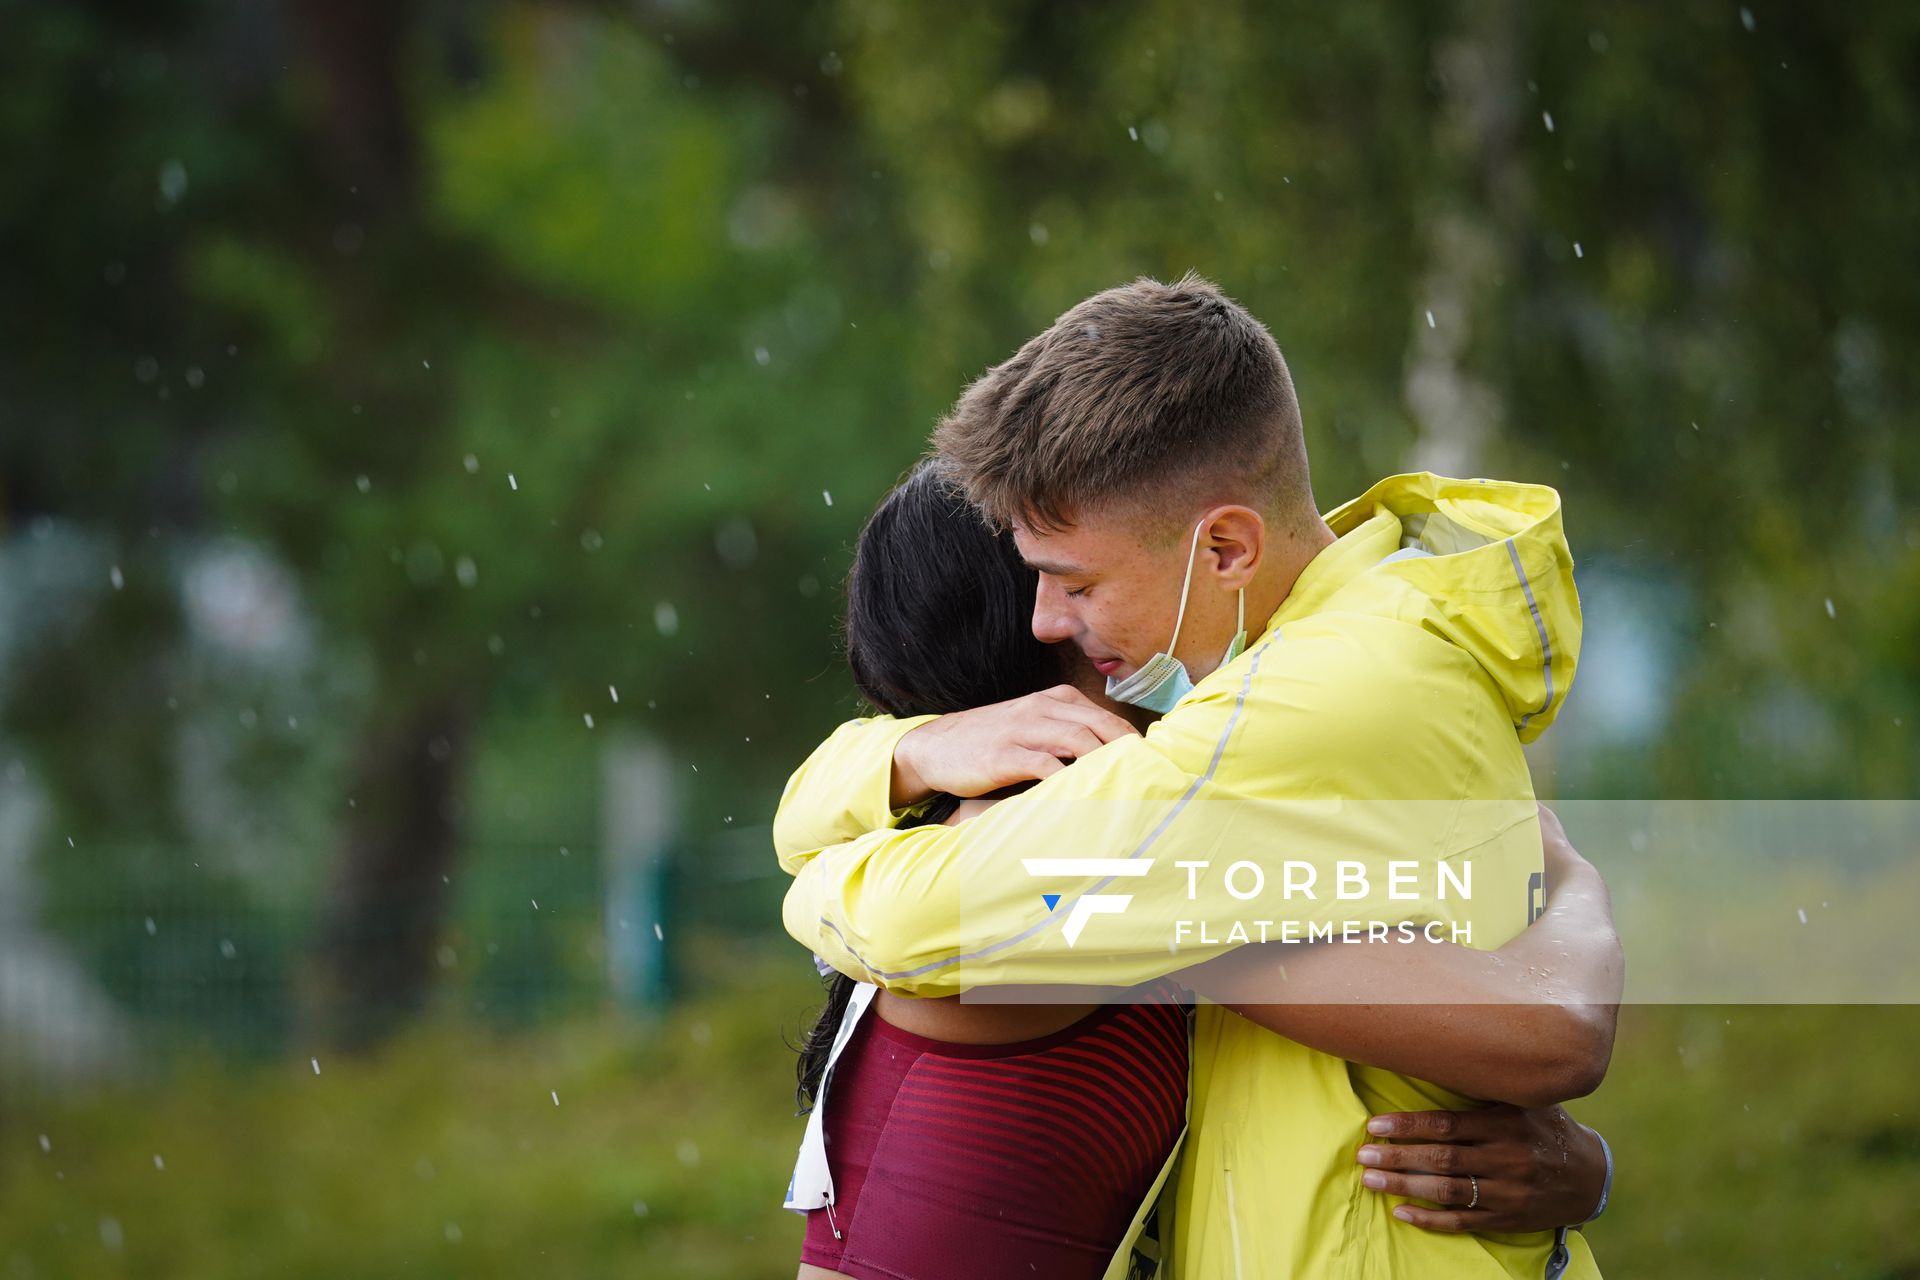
point(553, 348)
point(503, 298)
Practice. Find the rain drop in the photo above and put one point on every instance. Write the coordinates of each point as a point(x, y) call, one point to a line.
point(512, 483)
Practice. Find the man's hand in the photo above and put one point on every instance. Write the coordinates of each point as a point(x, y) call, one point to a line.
point(1533, 1170)
point(969, 753)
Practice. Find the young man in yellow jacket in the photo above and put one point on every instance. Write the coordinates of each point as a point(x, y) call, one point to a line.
point(1339, 757)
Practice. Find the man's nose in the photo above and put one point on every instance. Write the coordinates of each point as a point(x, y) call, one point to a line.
point(1052, 624)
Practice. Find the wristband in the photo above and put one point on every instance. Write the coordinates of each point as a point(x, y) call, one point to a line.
point(1606, 1187)
point(1561, 1257)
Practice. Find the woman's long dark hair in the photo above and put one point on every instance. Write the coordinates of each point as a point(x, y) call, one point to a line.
point(939, 619)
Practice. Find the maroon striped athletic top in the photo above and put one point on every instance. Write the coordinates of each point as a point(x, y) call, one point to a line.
point(962, 1161)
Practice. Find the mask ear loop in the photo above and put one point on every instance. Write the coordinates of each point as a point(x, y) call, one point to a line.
point(1186, 582)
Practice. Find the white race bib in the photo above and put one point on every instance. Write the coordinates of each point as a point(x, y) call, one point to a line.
point(811, 1186)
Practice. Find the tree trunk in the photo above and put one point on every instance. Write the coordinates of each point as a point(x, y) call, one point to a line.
point(390, 890)
point(381, 921)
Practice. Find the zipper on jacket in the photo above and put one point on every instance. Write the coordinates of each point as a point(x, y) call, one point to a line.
point(1560, 1258)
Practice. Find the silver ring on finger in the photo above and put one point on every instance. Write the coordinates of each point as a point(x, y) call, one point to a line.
point(1475, 1184)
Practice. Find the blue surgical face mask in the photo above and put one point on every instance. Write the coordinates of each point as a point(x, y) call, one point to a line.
point(1163, 681)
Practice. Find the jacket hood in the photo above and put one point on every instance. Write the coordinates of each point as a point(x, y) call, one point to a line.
point(1489, 570)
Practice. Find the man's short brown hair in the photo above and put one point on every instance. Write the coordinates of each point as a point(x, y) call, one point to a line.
point(1145, 401)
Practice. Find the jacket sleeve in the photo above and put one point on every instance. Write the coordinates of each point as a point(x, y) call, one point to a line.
point(1283, 774)
point(842, 789)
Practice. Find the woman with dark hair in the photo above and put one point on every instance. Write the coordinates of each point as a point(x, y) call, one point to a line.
point(988, 1139)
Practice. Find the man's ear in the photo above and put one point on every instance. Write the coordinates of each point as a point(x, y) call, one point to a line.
point(1237, 537)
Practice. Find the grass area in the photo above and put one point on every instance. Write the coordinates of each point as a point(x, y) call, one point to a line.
point(1762, 1141)
point(1751, 1141)
point(446, 1155)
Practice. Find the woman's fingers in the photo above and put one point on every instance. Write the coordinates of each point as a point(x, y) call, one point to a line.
point(1436, 1126)
point(1493, 1194)
point(1428, 1157)
point(1452, 1193)
point(1454, 1220)
point(1536, 1169)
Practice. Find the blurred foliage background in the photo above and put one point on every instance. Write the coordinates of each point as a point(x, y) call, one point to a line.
point(418, 418)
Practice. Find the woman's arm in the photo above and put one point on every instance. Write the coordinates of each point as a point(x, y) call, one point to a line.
point(1531, 1023)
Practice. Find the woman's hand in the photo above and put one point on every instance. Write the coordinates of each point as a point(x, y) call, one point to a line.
point(1518, 1170)
point(1560, 860)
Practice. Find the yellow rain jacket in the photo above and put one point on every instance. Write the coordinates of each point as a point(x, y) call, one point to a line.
point(1378, 718)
